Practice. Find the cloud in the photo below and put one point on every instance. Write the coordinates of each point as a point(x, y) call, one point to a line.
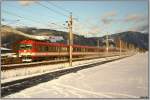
point(140, 20)
point(108, 17)
point(94, 31)
point(110, 14)
point(107, 20)
point(141, 28)
point(134, 18)
point(26, 2)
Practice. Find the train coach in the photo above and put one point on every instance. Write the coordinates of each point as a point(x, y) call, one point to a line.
point(31, 50)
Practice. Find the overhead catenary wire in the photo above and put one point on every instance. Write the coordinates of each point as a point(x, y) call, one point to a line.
point(14, 14)
point(30, 12)
point(61, 8)
point(22, 17)
point(59, 25)
point(50, 9)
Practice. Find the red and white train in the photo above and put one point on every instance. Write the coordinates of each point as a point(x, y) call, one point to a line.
point(32, 50)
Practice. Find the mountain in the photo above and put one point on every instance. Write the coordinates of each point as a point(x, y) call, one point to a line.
point(137, 38)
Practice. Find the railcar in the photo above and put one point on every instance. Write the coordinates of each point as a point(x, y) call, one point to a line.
point(31, 50)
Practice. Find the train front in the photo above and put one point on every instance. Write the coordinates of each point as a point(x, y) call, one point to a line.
point(25, 50)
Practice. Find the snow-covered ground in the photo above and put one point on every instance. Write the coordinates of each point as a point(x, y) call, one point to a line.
point(125, 78)
point(20, 73)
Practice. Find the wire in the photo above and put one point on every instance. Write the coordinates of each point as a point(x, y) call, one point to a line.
point(31, 12)
point(51, 9)
point(59, 25)
point(58, 7)
point(10, 13)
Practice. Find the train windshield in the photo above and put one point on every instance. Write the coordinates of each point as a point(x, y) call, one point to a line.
point(25, 46)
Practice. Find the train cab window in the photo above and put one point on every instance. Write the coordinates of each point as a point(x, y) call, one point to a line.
point(25, 46)
point(22, 46)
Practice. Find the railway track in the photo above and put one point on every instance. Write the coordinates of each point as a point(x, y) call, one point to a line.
point(34, 64)
point(8, 88)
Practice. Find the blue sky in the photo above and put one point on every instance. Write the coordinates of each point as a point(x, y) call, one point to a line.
point(95, 18)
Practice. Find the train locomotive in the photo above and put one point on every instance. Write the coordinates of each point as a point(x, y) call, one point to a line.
point(33, 50)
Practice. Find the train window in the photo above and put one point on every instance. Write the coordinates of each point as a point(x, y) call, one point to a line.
point(62, 49)
point(53, 49)
point(46, 48)
point(25, 46)
point(65, 49)
point(50, 49)
point(22, 46)
point(40, 48)
point(57, 49)
point(28, 46)
point(73, 49)
point(82, 49)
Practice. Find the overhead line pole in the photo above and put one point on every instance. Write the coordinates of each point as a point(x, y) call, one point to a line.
point(120, 45)
point(70, 39)
point(107, 43)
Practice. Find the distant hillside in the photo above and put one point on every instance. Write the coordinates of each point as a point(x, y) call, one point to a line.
point(137, 38)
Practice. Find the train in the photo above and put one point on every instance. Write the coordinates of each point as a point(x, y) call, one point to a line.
point(33, 50)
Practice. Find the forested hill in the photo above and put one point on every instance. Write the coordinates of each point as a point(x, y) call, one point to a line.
point(137, 38)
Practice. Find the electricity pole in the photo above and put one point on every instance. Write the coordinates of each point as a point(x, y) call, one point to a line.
point(97, 43)
point(70, 39)
point(107, 43)
point(120, 43)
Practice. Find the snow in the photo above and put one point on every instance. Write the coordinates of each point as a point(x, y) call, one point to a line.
point(2, 48)
point(125, 78)
point(15, 74)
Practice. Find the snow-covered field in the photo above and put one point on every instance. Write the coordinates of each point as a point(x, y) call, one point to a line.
point(125, 78)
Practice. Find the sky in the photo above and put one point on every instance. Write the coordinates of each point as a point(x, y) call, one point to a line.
point(90, 18)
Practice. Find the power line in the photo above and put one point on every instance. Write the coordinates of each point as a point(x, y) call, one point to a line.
point(10, 13)
point(59, 25)
point(61, 8)
point(14, 14)
point(55, 11)
point(31, 12)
